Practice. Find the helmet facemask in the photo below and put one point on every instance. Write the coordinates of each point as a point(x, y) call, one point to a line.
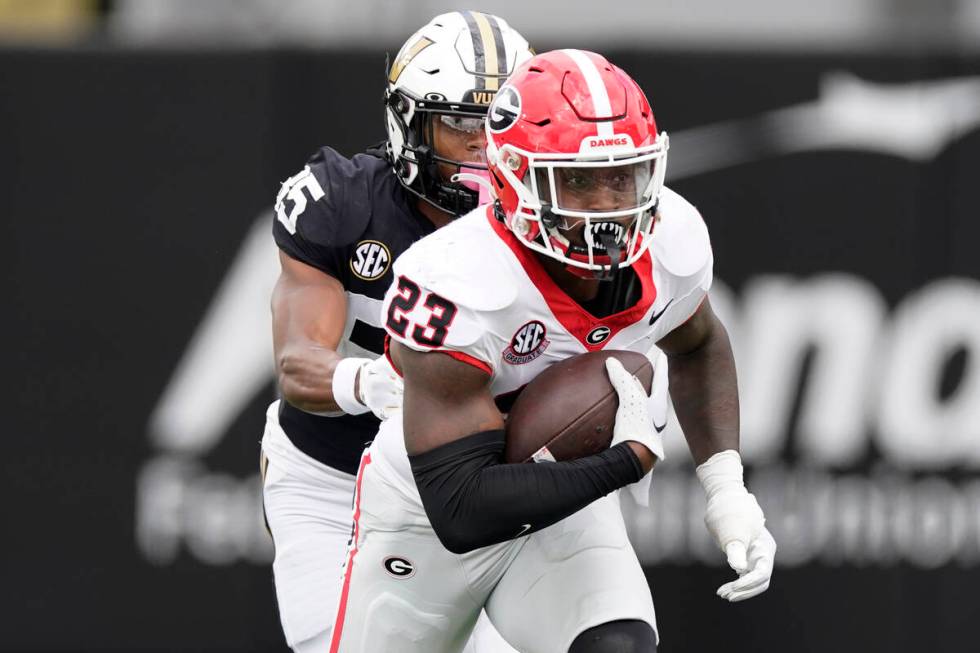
point(427, 173)
point(595, 214)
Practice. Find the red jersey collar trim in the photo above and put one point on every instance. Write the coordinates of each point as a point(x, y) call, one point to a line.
point(576, 320)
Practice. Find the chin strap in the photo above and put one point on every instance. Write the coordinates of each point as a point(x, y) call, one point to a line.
point(498, 212)
point(548, 217)
point(481, 187)
point(450, 197)
point(611, 245)
point(456, 199)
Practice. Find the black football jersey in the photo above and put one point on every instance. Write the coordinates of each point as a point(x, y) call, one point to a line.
point(350, 218)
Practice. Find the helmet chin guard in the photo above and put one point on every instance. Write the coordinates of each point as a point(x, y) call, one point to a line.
point(477, 182)
point(607, 241)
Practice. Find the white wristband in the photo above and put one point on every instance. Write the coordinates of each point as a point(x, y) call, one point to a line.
point(722, 471)
point(344, 377)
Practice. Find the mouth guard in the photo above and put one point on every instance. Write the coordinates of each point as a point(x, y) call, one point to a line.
point(600, 233)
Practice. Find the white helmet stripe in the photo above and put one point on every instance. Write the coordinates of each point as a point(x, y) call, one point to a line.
point(597, 89)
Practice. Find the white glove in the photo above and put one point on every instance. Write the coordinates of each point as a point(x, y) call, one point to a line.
point(379, 388)
point(736, 522)
point(633, 421)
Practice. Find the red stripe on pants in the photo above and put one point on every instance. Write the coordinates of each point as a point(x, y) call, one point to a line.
point(338, 626)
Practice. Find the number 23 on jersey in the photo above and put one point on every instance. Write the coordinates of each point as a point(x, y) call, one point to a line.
point(440, 313)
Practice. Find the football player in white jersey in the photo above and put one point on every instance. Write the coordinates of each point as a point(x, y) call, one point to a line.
point(339, 224)
point(583, 250)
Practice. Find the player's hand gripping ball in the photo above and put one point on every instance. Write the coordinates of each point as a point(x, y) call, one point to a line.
point(569, 410)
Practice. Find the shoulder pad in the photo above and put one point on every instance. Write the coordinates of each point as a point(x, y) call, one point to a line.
point(338, 207)
point(680, 239)
point(462, 262)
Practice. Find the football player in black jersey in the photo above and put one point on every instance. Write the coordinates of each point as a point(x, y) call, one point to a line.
point(339, 224)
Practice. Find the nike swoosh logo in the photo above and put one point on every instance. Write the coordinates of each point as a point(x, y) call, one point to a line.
point(523, 530)
point(660, 427)
point(656, 316)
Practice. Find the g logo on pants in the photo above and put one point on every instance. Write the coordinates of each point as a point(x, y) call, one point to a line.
point(399, 567)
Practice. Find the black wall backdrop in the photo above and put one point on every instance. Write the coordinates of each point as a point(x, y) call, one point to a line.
point(841, 193)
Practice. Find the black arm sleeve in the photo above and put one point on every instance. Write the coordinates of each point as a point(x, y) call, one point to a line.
point(473, 500)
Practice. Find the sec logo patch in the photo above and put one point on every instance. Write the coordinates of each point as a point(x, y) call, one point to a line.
point(528, 343)
point(371, 260)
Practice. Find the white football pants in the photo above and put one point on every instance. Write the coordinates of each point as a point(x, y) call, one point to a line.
point(405, 592)
point(308, 508)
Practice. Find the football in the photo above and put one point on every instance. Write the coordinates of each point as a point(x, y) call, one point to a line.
point(568, 411)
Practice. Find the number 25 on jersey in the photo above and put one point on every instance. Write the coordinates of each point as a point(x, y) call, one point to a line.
point(293, 190)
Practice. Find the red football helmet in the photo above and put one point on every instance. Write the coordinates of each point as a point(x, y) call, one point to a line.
point(576, 161)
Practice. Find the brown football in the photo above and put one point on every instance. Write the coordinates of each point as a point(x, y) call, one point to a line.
point(570, 408)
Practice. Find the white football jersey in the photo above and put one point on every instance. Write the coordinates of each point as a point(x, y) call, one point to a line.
point(474, 292)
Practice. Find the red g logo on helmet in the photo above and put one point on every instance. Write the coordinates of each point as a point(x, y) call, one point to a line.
point(505, 110)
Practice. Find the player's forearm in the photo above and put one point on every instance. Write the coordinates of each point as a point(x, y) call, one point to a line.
point(473, 500)
point(309, 309)
point(704, 391)
point(305, 374)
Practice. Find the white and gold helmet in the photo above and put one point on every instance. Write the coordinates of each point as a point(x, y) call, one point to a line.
point(450, 70)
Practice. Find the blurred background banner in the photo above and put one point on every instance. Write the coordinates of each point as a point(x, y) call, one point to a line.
point(834, 158)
